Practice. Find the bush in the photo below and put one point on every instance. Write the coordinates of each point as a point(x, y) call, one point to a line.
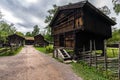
point(49, 49)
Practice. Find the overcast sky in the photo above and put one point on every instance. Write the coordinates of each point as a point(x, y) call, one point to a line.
point(27, 13)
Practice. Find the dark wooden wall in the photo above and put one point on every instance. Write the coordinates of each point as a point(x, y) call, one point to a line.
point(39, 41)
point(95, 24)
point(29, 42)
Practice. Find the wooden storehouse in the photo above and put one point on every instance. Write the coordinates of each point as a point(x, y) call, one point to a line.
point(79, 25)
point(29, 40)
point(16, 40)
point(40, 41)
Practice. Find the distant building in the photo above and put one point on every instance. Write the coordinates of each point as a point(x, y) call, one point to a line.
point(29, 40)
point(16, 40)
point(39, 41)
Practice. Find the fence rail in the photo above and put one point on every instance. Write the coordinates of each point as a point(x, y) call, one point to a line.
point(109, 62)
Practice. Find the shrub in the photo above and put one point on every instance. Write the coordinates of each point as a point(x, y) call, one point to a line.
point(49, 49)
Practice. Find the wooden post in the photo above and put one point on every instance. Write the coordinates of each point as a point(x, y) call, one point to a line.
point(54, 53)
point(119, 63)
point(74, 33)
point(90, 54)
point(105, 56)
point(83, 53)
point(95, 54)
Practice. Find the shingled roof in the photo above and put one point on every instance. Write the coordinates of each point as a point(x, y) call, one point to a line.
point(16, 35)
point(29, 38)
point(81, 4)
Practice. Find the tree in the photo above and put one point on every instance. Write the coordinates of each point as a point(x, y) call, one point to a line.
point(116, 7)
point(1, 15)
point(5, 30)
point(105, 10)
point(28, 34)
point(48, 19)
point(51, 14)
point(115, 37)
point(36, 30)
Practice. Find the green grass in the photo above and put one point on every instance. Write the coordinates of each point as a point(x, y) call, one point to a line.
point(110, 53)
point(47, 49)
point(17, 51)
point(86, 72)
point(11, 53)
point(41, 49)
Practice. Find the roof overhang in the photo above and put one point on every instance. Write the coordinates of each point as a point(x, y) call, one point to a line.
point(81, 5)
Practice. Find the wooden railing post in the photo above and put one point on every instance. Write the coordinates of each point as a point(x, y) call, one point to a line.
point(90, 57)
point(84, 54)
point(57, 53)
point(105, 56)
point(95, 54)
point(54, 53)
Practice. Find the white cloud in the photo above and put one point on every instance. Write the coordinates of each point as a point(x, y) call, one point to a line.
point(35, 19)
point(38, 21)
point(23, 29)
point(8, 16)
point(31, 1)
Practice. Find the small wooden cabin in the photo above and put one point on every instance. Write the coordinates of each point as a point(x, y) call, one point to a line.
point(29, 40)
point(78, 25)
point(40, 41)
point(16, 40)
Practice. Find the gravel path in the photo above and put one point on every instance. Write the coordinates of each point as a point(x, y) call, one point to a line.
point(30, 64)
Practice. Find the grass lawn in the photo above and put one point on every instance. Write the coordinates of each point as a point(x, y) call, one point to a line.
point(86, 72)
point(41, 49)
point(112, 52)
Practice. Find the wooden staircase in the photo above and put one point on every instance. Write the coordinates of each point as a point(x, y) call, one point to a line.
point(62, 54)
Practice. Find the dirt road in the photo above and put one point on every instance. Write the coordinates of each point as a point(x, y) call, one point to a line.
point(30, 64)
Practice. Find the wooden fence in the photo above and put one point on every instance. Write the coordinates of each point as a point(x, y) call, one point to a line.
point(109, 63)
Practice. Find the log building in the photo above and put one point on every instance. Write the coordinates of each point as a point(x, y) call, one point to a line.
point(16, 40)
point(40, 41)
point(79, 25)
